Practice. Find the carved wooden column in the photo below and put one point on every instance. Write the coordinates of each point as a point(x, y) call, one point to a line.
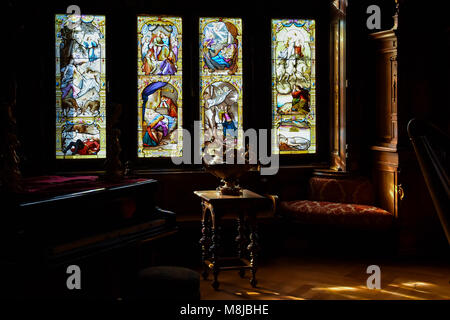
point(338, 81)
point(386, 90)
point(385, 151)
point(10, 175)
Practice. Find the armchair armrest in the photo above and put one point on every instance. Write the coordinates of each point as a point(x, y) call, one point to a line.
point(275, 201)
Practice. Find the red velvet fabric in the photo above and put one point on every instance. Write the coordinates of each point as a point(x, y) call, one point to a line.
point(322, 212)
point(349, 190)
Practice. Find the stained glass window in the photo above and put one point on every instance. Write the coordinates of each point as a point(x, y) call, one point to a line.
point(160, 98)
point(80, 86)
point(293, 86)
point(220, 84)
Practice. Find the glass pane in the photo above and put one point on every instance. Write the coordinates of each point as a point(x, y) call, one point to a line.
point(80, 86)
point(160, 97)
point(220, 84)
point(293, 86)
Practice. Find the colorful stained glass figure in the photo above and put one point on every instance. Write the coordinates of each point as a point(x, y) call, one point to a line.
point(80, 86)
point(220, 84)
point(160, 98)
point(293, 86)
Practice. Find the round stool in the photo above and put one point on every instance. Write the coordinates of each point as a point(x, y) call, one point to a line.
point(168, 283)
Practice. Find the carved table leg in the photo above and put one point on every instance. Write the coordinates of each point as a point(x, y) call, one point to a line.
point(205, 239)
point(215, 244)
point(240, 240)
point(253, 248)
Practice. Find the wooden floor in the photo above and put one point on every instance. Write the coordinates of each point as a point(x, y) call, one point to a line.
point(321, 279)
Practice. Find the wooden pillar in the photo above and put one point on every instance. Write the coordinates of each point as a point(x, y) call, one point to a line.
point(338, 85)
point(385, 149)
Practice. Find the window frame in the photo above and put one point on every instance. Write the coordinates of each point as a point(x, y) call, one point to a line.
point(182, 81)
point(323, 112)
point(79, 165)
point(252, 24)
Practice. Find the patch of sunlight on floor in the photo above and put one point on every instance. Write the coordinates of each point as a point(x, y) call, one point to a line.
point(336, 289)
point(401, 295)
point(342, 290)
point(266, 293)
point(398, 294)
point(252, 293)
point(411, 288)
point(418, 284)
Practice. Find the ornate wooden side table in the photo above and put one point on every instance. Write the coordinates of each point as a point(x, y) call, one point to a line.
point(244, 207)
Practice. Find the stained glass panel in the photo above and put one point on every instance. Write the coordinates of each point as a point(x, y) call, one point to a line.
point(293, 86)
point(160, 97)
point(220, 84)
point(80, 86)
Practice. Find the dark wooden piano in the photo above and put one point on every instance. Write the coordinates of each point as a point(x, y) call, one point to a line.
point(58, 221)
